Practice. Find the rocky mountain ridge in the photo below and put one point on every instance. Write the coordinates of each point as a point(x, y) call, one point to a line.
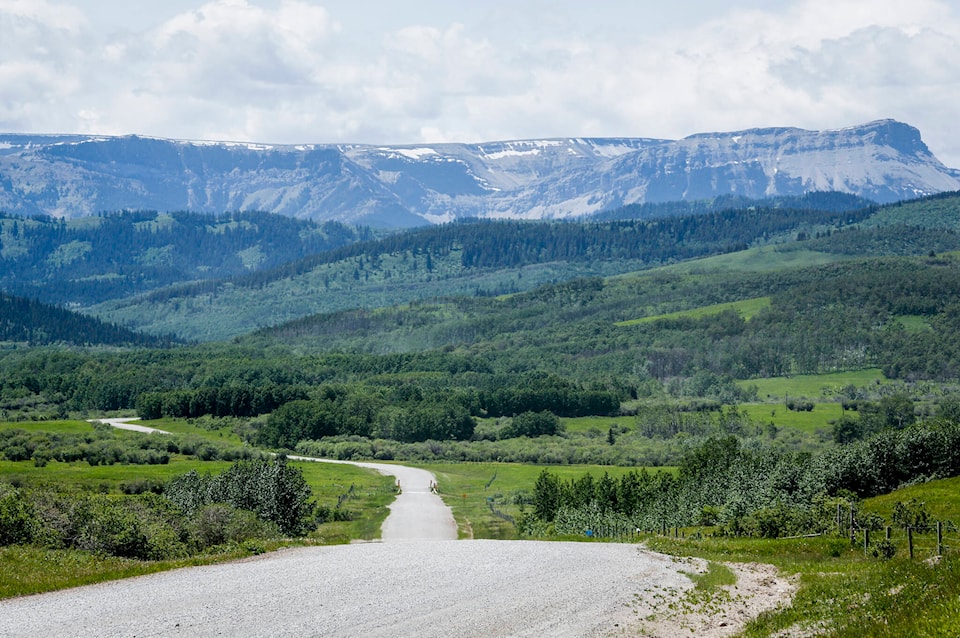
point(408, 185)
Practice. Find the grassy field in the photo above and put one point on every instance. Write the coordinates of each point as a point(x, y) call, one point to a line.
point(222, 434)
point(942, 499)
point(762, 259)
point(778, 414)
point(813, 386)
point(747, 308)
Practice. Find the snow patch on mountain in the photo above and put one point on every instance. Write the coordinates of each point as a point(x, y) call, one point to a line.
point(74, 175)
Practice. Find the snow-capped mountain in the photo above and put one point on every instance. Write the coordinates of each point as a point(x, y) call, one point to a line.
point(71, 175)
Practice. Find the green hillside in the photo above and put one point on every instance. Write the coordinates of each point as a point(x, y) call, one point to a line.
point(26, 322)
point(484, 259)
point(91, 259)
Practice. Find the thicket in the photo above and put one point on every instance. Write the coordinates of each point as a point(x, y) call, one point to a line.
point(107, 446)
point(252, 501)
point(750, 488)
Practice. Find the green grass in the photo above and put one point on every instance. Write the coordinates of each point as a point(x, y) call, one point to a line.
point(72, 427)
point(747, 308)
point(777, 413)
point(33, 570)
point(368, 503)
point(715, 577)
point(762, 259)
point(942, 499)
point(224, 434)
point(813, 386)
point(914, 323)
point(841, 591)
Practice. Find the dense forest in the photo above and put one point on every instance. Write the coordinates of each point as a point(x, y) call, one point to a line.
point(88, 260)
point(504, 244)
point(33, 323)
point(818, 200)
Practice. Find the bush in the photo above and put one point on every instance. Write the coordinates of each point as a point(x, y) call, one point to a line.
point(270, 488)
point(220, 523)
point(18, 521)
point(883, 549)
point(532, 424)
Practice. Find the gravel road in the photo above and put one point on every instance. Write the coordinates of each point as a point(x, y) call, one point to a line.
point(417, 513)
point(414, 588)
point(417, 582)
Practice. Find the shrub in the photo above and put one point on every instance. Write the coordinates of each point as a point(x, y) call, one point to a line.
point(274, 491)
point(883, 549)
point(18, 521)
point(532, 424)
point(220, 523)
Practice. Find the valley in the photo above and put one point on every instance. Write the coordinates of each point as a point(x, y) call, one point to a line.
point(717, 384)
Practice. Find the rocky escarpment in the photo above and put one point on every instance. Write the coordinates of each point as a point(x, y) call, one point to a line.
point(407, 185)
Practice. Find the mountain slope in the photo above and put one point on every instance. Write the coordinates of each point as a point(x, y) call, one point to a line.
point(89, 260)
point(34, 323)
point(493, 258)
point(399, 186)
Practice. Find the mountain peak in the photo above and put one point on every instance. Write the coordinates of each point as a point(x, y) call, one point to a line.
point(401, 185)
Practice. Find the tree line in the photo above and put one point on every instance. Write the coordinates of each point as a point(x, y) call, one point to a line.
point(750, 489)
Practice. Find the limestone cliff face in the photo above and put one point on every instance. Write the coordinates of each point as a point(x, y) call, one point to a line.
point(408, 185)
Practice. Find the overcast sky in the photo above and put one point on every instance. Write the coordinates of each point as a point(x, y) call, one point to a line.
point(412, 71)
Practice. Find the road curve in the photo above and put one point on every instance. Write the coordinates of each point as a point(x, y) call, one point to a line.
point(417, 513)
point(125, 424)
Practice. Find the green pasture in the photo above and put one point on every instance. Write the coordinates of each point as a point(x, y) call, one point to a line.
point(72, 427)
point(777, 413)
point(813, 386)
point(746, 308)
point(192, 427)
point(761, 259)
point(942, 499)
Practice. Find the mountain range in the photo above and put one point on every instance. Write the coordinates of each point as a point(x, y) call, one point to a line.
point(409, 185)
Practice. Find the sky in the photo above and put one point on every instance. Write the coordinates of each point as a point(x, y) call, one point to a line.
point(422, 71)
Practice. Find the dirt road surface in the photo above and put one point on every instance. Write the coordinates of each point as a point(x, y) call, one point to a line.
point(413, 588)
point(417, 582)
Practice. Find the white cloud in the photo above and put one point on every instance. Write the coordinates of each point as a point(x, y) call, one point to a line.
point(294, 71)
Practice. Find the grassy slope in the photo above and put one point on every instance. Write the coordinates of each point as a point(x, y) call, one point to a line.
point(844, 593)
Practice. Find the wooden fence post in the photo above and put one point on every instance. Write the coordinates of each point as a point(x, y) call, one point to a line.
point(853, 537)
point(866, 541)
point(939, 538)
point(888, 532)
point(910, 540)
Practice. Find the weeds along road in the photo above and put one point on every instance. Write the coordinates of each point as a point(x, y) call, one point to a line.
point(418, 582)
